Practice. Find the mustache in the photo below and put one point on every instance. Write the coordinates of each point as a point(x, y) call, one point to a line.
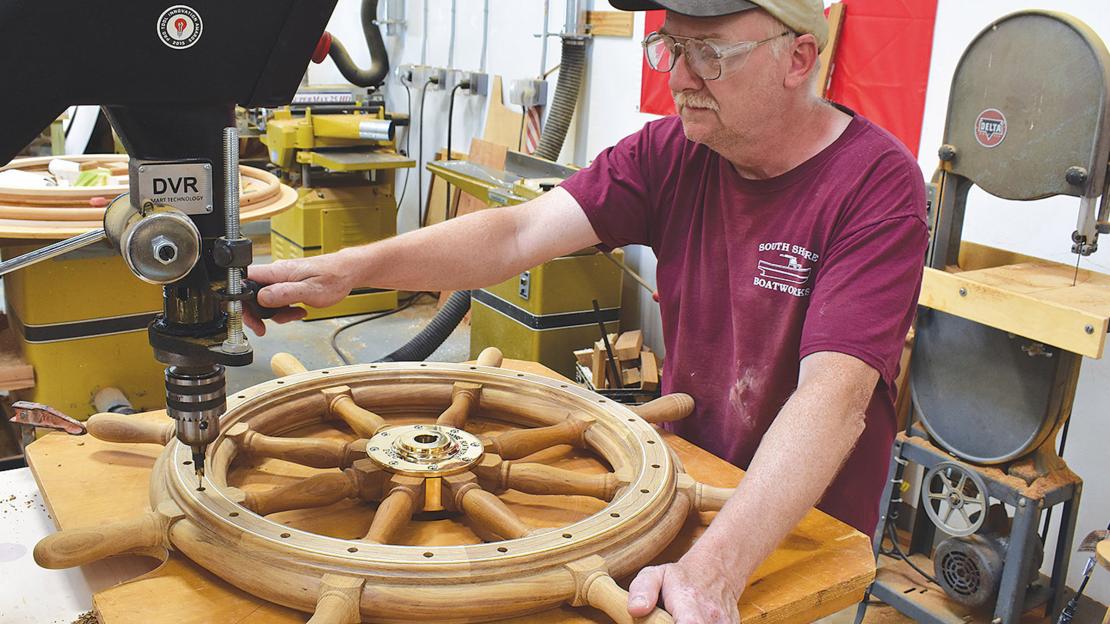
point(696, 99)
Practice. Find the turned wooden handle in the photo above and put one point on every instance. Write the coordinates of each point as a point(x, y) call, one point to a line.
point(603, 593)
point(490, 356)
point(284, 364)
point(541, 479)
point(494, 515)
point(338, 602)
point(362, 421)
point(315, 491)
point(523, 442)
point(667, 408)
point(315, 452)
point(129, 429)
point(393, 513)
point(710, 497)
point(73, 547)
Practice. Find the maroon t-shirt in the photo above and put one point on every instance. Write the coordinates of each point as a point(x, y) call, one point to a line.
point(754, 275)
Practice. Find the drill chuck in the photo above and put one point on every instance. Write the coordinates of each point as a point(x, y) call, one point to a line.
point(195, 398)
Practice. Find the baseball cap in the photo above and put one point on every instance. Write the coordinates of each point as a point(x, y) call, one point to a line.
point(801, 16)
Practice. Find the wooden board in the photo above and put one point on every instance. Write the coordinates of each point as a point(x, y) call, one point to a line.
point(822, 567)
point(609, 23)
point(503, 124)
point(836, 20)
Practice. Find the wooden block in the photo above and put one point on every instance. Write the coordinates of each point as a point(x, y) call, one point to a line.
point(628, 345)
point(609, 23)
point(503, 125)
point(630, 377)
point(584, 357)
point(597, 367)
point(487, 154)
point(627, 364)
point(649, 371)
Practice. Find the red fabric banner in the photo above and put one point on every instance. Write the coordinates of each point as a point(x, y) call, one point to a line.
point(881, 67)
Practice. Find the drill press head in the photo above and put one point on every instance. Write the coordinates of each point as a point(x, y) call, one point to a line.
point(178, 73)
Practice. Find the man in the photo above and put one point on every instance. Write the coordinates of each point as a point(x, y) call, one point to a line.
point(790, 236)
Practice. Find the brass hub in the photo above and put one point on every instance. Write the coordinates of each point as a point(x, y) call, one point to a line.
point(424, 450)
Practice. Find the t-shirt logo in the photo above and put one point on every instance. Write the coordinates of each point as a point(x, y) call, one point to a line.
point(782, 268)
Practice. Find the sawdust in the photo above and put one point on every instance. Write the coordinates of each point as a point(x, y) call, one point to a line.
point(87, 617)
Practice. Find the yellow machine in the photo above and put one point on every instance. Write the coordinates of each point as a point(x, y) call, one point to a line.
point(78, 339)
point(341, 154)
point(546, 312)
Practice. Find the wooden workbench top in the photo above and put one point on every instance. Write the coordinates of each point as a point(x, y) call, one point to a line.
point(822, 567)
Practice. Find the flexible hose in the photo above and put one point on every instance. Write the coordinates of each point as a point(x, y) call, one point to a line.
point(572, 67)
point(435, 332)
point(375, 75)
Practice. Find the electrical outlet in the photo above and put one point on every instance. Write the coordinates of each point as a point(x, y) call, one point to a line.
point(434, 77)
point(479, 83)
point(406, 74)
point(528, 92)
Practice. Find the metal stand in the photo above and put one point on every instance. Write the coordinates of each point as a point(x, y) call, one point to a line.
point(1017, 593)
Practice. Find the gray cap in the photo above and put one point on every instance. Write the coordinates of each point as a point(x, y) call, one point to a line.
point(802, 16)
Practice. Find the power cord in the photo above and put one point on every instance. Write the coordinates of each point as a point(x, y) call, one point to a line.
point(465, 84)
point(420, 212)
point(523, 116)
point(333, 339)
point(408, 146)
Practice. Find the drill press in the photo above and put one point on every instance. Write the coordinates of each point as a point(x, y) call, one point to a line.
point(178, 71)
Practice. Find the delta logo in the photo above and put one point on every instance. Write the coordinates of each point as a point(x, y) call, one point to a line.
point(990, 127)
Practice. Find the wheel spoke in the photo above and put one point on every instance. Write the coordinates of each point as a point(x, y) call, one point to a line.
point(394, 512)
point(967, 518)
point(314, 452)
point(523, 442)
point(316, 491)
point(464, 400)
point(540, 479)
point(484, 508)
point(948, 515)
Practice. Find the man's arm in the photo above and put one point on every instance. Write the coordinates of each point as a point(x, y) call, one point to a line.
point(795, 463)
point(479, 249)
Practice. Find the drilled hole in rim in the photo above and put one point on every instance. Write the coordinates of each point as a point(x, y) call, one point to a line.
point(280, 381)
point(520, 374)
point(473, 368)
point(284, 535)
point(655, 465)
point(562, 385)
point(187, 462)
point(567, 535)
point(651, 441)
point(373, 366)
point(323, 372)
point(631, 420)
point(645, 491)
point(234, 514)
point(241, 396)
point(352, 549)
point(502, 549)
point(601, 400)
point(426, 438)
point(423, 364)
point(429, 555)
point(614, 515)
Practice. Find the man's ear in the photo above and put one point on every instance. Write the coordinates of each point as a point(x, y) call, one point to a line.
point(804, 56)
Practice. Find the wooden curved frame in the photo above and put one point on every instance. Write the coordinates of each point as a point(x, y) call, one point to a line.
point(62, 212)
point(649, 497)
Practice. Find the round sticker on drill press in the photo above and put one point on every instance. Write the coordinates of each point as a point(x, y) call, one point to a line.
point(990, 127)
point(179, 27)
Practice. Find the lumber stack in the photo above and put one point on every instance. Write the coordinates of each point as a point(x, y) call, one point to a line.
point(633, 361)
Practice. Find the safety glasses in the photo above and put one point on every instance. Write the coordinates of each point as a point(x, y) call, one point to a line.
point(703, 56)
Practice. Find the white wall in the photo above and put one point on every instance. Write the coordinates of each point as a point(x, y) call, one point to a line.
point(1040, 229)
point(609, 109)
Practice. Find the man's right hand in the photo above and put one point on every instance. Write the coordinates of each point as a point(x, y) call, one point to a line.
point(318, 281)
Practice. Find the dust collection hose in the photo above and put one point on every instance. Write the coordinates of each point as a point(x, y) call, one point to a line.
point(379, 58)
point(435, 332)
point(571, 69)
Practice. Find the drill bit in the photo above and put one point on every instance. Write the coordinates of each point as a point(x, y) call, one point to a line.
point(198, 466)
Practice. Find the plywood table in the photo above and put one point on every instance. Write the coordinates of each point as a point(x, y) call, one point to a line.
point(823, 566)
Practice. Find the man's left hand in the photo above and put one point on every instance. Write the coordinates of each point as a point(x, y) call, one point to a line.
point(691, 594)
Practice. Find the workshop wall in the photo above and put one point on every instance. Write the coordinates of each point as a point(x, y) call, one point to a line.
point(1042, 229)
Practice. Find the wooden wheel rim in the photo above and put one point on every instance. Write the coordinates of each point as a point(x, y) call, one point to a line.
point(649, 510)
